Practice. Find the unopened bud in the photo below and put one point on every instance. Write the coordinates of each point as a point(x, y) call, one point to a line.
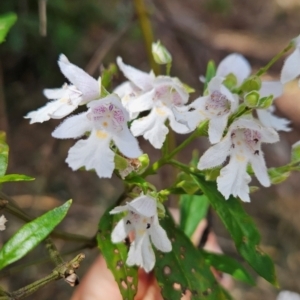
point(160, 54)
point(251, 84)
point(252, 99)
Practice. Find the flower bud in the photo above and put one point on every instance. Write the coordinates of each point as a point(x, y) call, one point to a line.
point(251, 84)
point(230, 81)
point(265, 102)
point(161, 55)
point(252, 99)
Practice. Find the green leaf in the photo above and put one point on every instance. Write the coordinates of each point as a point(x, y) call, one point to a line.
point(228, 265)
point(192, 210)
point(31, 234)
point(280, 174)
point(241, 228)
point(184, 270)
point(3, 153)
point(108, 74)
point(115, 256)
point(210, 72)
point(6, 22)
point(295, 153)
point(15, 177)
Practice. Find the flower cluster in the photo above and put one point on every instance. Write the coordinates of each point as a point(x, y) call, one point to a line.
point(237, 106)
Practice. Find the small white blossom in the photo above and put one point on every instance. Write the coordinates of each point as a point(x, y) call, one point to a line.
point(287, 295)
point(266, 116)
point(3, 220)
point(83, 89)
point(215, 107)
point(235, 64)
point(106, 119)
point(160, 95)
point(142, 220)
point(291, 66)
point(242, 144)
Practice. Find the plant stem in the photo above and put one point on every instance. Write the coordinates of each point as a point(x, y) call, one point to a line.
point(62, 271)
point(13, 209)
point(201, 130)
point(147, 31)
point(264, 69)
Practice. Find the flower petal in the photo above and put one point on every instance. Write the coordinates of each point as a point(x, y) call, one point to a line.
point(268, 88)
point(269, 120)
point(121, 231)
point(73, 127)
point(234, 179)
point(148, 257)
point(127, 143)
point(215, 155)
point(143, 205)
point(216, 128)
point(141, 79)
point(235, 64)
point(88, 85)
point(93, 153)
point(291, 67)
point(159, 237)
point(44, 113)
point(141, 103)
point(54, 93)
point(260, 170)
point(152, 127)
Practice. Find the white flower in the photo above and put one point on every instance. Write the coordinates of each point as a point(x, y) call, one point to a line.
point(266, 116)
point(160, 53)
point(242, 144)
point(160, 95)
point(2, 223)
point(142, 219)
point(106, 119)
point(287, 295)
point(215, 107)
point(291, 66)
point(235, 64)
point(83, 89)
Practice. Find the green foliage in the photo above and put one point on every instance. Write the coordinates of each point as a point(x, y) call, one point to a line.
point(4, 149)
point(228, 265)
point(184, 270)
point(193, 209)
point(31, 234)
point(241, 228)
point(210, 72)
point(115, 256)
point(6, 22)
point(3, 153)
point(15, 177)
point(280, 174)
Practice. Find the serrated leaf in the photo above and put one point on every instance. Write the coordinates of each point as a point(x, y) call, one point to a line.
point(15, 177)
point(241, 228)
point(184, 270)
point(31, 234)
point(228, 265)
point(193, 209)
point(3, 153)
point(6, 22)
point(115, 256)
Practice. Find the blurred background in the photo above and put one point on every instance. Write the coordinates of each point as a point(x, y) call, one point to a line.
point(93, 33)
